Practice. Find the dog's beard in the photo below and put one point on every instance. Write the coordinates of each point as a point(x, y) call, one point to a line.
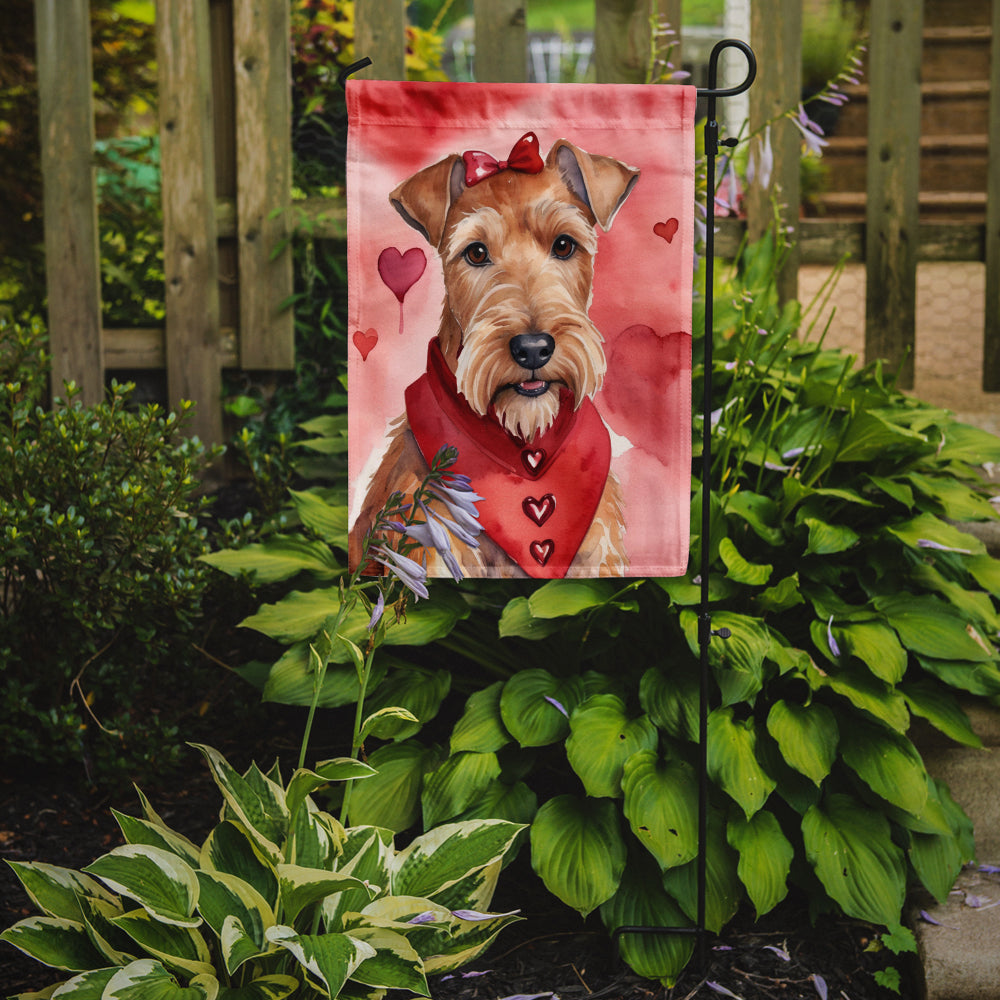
point(487, 374)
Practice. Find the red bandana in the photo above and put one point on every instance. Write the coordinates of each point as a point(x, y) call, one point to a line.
point(539, 499)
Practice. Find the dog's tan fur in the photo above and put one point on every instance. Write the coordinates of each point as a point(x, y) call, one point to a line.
point(526, 288)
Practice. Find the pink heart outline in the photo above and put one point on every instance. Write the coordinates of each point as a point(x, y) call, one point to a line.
point(400, 272)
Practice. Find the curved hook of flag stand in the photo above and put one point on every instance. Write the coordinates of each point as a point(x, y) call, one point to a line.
point(705, 631)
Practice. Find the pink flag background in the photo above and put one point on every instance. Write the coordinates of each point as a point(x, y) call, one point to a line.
point(643, 272)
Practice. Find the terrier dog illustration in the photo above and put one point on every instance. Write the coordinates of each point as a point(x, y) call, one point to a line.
point(516, 362)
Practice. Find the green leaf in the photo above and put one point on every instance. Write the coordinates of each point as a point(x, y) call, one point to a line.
point(304, 782)
point(927, 527)
point(181, 948)
point(577, 850)
point(602, 738)
point(415, 689)
point(391, 798)
point(527, 711)
point(870, 435)
point(54, 941)
point(56, 891)
point(330, 959)
point(957, 501)
point(866, 692)
point(163, 884)
point(230, 849)
point(758, 511)
point(976, 678)
point(387, 722)
point(225, 897)
point(395, 964)
point(456, 784)
point(517, 620)
point(941, 709)
point(931, 628)
point(876, 646)
point(765, 858)
point(672, 700)
point(141, 831)
point(850, 848)
point(292, 680)
point(807, 736)
point(327, 520)
point(516, 803)
point(147, 979)
point(275, 987)
point(828, 539)
point(661, 799)
point(732, 760)
point(888, 763)
point(559, 598)
point(279, 558)
point(986, 571)
point(481, 728)
point(783, 595)
point(301, 887)
point(86, 986)
point(741, 571)
point(738, 661)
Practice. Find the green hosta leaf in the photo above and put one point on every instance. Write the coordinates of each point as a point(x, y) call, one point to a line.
point(327, 520)
point(723, 889)
point(850, 848)
point(530, 706)
point(876, 646)
point(456, 784)
point(54, 941)
point(395, 964)
point(602, 738)
point(866, 692)
point(275, 987)
point(180, 948)
point(682, 591)
point(417, 690)
point(517, 620)
point(928, 528)
point(807, 736)
point(226, 898)
point(86, 986)
point(783, 595)
point(159, 881)
point(301, 887)
point(391, 798)
point(931, 628)
point(965, 443)
point(888, 763)
point(366, 855)
point(870, 435)
point(330, 959)
point(56, 891)
point(516, 803)
point(738, 661)
point(739, 569)
point(937, 860)
point(559, 598)
point(957, 501)
point(230, 849)
point(827, 539)
point(147, 979)
point(641, 901)
point(438, 859)
point(661, 800)
point(141, 831)
point(732, 760)
point(304, 782)
point(941, 709)
point(765, 858)
point(291, 680)
point(893, 488)
point(98, 916)
point(986, 571)
point(578, 851)
point(481, 728)
point(758, 511)
point(975, 605)
point(387, 723)
point(671, 700)
point(279, 558)
point(976, 678)
point(466, 941)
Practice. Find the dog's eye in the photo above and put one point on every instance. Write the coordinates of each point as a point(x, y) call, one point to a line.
point(476, 254)
point(563, 247)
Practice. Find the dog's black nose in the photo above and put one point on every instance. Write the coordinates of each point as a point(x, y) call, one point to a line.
point(532, 350)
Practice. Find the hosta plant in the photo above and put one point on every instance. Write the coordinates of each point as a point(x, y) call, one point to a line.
point(279, 900)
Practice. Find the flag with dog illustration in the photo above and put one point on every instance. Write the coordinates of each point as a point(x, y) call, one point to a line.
point(520, 285)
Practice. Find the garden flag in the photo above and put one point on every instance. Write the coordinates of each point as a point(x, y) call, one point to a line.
point(520, 283)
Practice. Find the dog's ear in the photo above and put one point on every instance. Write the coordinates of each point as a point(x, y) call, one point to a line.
point(423, 200)
point(601, 182)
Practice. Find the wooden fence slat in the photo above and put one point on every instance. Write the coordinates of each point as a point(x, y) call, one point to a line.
point(991, 331)
point(72, 255)
point(621, 40)
point(501, 41)
point(262, 61)
point(776, 36)
point(380, 34)
point(190, 253)
point(892, 214)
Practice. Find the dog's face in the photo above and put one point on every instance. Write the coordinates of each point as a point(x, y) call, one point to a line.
point(517, 250)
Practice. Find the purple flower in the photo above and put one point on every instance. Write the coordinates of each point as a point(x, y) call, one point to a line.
point(820, 983)
point(761, 162)
point(409, 572)
point(811, 132)
point(461, 504)
point(719, 988)
point(834, 648)
point(927, 543)
point(558, 705)
point(780, 952)
point(475, 915)
point(377, 611)
point(427, 917)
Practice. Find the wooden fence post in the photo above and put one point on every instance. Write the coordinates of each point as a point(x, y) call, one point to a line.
point(262, 61)
point(892, 214)
point(380, 34)
point(776, 35)
point(72, 255)
point(190, 251)
point(991, 332)
point(621, 40)
point(501, 41)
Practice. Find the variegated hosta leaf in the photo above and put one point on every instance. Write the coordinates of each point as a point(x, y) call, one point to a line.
point(315, 838)
point(256, 801)
point(230, 849)
point(86, 986)
point(56, 891)
point(441, 857)
point(304, 782)
point(177, 947)
point(274, 987)
point(395, 964)
point(456, 784)
point(535, 706)
point(765, 858)
point(158, 880)
point(141, 831)
point(466, 941)
point(225, 897)
point(642, 902)
point(732, 760)
point(807, 736)
point(147, 979)
point(850, 847)
point(328, 959)
point(476, 890)
point(481, 727)
point(300, 887)
point(578, 851)
point(367, 853)
point(888, 763)
point(661, 805)
point(98, 915)
point(602, 737)
point(54, 941)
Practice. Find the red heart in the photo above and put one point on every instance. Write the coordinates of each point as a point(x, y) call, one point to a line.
point(532, 459)
point(667, 230)
point(365, 342)
point(542, 551)
point(539, 510)
point(400, 271)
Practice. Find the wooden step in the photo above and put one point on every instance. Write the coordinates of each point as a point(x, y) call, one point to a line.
point(956, 53)
point(958, 206)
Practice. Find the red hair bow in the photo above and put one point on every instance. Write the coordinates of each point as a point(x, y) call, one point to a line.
point(524, 157)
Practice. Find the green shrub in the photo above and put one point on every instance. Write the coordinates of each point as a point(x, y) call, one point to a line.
point(101, 587)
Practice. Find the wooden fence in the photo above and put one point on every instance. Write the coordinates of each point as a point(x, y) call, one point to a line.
point(226, 161)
